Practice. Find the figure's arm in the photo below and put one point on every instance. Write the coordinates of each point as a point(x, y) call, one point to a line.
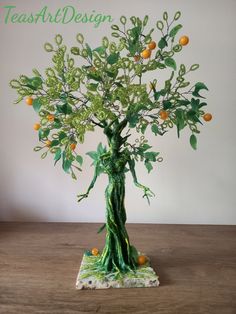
point(147, 192)
point(85, 195)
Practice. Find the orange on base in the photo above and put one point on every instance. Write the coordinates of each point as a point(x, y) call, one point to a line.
point(164, 115)
point(184, 40)
point(37, 126)
point(207, 117)
point(95, 251)
point(50, 117)
point(152, 45)
point(72, 146)
point(142, 260)
point(145, 54)
point(48, 143)
point(29, 101)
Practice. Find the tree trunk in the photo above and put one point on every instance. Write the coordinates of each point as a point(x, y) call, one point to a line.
point(117, 253)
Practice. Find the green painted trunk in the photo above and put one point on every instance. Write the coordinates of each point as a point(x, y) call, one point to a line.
point(117, 253)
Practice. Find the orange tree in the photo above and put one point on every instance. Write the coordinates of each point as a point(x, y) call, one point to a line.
point(107, 90)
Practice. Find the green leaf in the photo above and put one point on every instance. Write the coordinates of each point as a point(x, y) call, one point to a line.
point(160, 65)
point(37, 104)
point(154, 129)
point(34, 83)
point(113, 58)
point(170, 62)
point(89, 50)
point(144, 127)
point(66, 164)
point(75, 51)
point(94, 77)
point(79, 159)
point(93, 155)
point(183, 102)
point(134, 252)
point(193, 141)
point(92, 86)
point(44, 155)
point(194, 67)
point(162, 43)
point(145, 147)
point(100, 149)
point(193, 116)
point(65, 108)
point(195, 104)
point(198, 87)
point(160, 93)
point(54, 143)
point(43, 133)
point(167, 104)
point(151, 156)
point(100, 50)
point(133, 120)
point(123, 20)
point(101, 228)
point(180, 121)
point(62, 135)
point(175, 30)
point(148, 165)
point(177, 15)
point(160, 25)
point(57, 156)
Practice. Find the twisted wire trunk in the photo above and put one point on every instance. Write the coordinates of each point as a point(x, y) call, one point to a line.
point(117, 253)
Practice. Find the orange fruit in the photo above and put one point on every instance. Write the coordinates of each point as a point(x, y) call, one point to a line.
point(207, 117)
point(50, 117)
point(37, 126)
point(95, 251)
point(145, 54)
point(164, 115)
point(142, 259)
point(184, 40)
point(29, 101)
point(48, 143)
point(72, 146)
point(136, 58)
point(152, 45)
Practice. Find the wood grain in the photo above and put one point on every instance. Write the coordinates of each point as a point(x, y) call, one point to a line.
point(39, 264)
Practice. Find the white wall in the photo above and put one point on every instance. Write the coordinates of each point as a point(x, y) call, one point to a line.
point(190, 187)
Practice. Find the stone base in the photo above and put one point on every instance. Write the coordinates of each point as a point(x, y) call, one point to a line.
point(90, 278)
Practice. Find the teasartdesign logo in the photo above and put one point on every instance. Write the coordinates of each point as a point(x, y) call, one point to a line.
point(65, 15)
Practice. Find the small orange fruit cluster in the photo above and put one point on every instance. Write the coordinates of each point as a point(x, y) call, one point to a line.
point(37, 126)
point(164, 114)
point(184, 40)
point(29, 101)
point(50, 117)
point(207, 117)
point(146, 53)
point(142, 260)
point(95, 251)
point(72, 146)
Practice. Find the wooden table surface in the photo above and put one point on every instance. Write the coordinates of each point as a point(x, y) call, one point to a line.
point(39, 264)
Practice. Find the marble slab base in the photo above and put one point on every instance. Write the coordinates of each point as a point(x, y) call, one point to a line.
point(89, 278)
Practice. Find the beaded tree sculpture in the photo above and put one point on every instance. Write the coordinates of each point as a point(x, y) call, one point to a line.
point(107, 90)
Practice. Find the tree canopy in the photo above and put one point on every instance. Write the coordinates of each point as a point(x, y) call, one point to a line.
point(104, 87)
